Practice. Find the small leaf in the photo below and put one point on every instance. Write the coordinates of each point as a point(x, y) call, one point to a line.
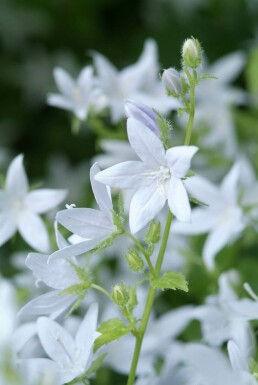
point(180, 111)
point(111, 330)
point(170, 280)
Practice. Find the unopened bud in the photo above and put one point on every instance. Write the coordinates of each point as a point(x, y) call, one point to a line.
point(120, 294)
point(153, 235)
point(172, 81)
point(142, 113)
point(191, 53)
point(135, 262)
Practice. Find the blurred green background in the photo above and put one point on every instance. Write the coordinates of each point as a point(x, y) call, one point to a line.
point(36, 36)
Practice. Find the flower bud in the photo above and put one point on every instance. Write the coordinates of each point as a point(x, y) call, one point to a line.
point(153, 235)
point(172, 81)
point(135, 262)
point(143, 114)
point(191, 53)
point(120, 294)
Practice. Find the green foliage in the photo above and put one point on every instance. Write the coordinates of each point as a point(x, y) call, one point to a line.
point(170, 280)
point(111, 330)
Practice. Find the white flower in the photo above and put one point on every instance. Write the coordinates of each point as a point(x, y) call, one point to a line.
point(19, 208)
point(157, 177)
point(223, 218)
point(76, 95)
point(58, 274)
point(69, 357)
point(139, 81)
point(91, 225)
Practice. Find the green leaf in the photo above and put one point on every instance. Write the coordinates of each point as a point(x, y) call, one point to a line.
point(111, 330)
point(170, 280)
point(80, 272)
point(180, 111)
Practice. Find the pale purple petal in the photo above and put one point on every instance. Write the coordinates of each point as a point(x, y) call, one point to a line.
point(128, 175)
point(101, 192)
point(145, 205)
point(33, 231)
point(146, 144)
point(179, 159)
point(40, 201)
point(178, 200)
point(87, 223)
point(142, 113)
point(16, 178)
point(64, 81)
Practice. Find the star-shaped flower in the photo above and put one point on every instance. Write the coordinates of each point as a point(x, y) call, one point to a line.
point(69, 357)
point(222, 218)
point(19, 208)
point(76, 95)
point(138, 81)
point(157, 177)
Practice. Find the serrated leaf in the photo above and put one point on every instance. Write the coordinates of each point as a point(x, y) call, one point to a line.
point(111, 330)
point(170, 280)
point(95, 365)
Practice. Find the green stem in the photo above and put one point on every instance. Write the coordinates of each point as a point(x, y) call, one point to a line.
point(141, 248)
point(152, 290)
point(192, 82)
point(149, 303)
point(103, 291)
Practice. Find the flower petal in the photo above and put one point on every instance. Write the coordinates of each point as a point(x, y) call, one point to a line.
point(87, 223)
point(77, 249)
point(85, 81)
point(145, 205)
point(87, 334)
point(202, 221)
point(64, 81)
point(57, 100)
point(220, 236)
point(16, 178)
point(229, 184)
point(58, 274)
point(178, 200)
point(101, 192)
point(33, 231)
point(50, 303)
point(128, 175)
point(7, 227)
point(179, 159)
point(145, 143)
point(40, 201)
point(203, 190)
point(56, 341)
